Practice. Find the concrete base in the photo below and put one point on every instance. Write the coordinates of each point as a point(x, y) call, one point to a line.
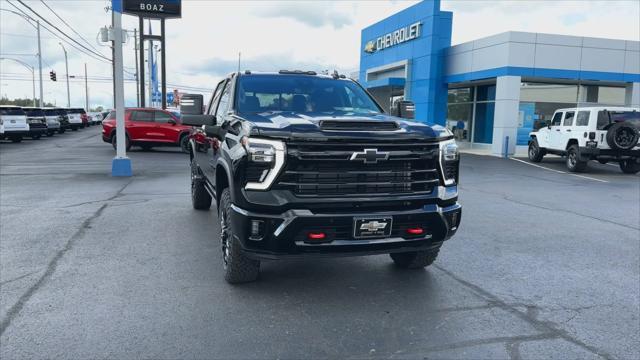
point(121, 167)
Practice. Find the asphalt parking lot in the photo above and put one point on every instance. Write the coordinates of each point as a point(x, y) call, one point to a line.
point(545, 265)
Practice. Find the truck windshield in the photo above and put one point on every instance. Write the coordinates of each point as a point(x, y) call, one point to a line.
point(302, 94)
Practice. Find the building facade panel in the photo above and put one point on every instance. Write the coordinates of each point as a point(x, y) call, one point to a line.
point(497, 87)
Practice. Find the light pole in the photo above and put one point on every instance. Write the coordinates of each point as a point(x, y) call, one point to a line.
point(66, 63)
point(37, 27)
point(33, 75)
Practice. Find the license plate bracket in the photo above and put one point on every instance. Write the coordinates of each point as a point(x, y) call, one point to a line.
point(372, 227)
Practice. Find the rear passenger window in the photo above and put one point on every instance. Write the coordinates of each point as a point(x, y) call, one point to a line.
point(556, 119)
point(142, 116)
point(583, 118)
point(568, 118)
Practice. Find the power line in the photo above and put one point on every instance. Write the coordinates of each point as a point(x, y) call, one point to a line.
point(62, 32)
point(69, 26)
point(58, 37)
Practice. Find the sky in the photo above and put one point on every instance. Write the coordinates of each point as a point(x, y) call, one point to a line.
point(204, 44)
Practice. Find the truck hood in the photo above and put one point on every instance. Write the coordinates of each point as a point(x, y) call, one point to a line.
point(296, 126)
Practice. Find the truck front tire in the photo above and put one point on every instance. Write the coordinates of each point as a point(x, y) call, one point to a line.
point(237, 267)
point(574, 162)
point(415, 259)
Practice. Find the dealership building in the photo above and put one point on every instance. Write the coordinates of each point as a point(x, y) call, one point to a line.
point(492, 90)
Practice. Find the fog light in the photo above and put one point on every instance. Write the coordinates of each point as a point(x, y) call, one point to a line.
point(316, 236)
point(257, 229)
point(415, 231)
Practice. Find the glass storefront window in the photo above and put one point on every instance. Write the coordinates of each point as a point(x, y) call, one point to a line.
point(459, 120)
point(486, 93)
point(540, 92)
point(483, 129)
point(460, 112)
point(460, 95)
point(602, 95)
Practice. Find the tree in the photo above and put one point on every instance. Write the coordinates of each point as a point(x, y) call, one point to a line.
point(21, 102)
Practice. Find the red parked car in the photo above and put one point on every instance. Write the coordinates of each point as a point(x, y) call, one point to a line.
point(148, 127)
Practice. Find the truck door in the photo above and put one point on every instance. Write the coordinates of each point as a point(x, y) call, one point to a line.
point(203, 149)
point(562, 137)
point(553, 131)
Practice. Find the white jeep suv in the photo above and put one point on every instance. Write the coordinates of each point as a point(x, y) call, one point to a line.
point(590, 133)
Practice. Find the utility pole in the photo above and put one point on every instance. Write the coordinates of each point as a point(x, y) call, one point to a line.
point(135, 52)
point(113, 56)
point(86, 89)
point(66, 62)
point(41, 102)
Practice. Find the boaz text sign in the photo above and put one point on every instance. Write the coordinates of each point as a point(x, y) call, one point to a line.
point(153, 8)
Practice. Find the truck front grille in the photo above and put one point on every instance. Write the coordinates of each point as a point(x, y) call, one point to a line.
point(326, 169)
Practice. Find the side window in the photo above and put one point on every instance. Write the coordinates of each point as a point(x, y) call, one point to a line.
point(223, 105)
point(141, 116)
point(556, 119)
point(161, 117)
point(583, 118)
point(214, 98)
point(603, 119)
point(568, 118)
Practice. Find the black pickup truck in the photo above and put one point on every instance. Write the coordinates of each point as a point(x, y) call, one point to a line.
point(303, 165)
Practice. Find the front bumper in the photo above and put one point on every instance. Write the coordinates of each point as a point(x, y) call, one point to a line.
point(285, 235)
point(53, 126)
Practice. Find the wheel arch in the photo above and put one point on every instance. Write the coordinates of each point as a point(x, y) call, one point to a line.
point(571, 142)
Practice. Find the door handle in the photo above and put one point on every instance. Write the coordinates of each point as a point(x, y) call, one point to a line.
point(557, 129)
point(568, 130)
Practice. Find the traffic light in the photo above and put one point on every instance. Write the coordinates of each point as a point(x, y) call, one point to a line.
point(52, 75)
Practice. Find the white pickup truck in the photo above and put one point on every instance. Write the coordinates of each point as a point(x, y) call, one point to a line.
point(590, 133)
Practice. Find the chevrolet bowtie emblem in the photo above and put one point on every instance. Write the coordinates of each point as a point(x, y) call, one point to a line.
point(370, 156)
point(373, 226)
point(370, 47)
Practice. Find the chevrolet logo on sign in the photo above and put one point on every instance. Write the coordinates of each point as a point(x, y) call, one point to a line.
point(370, 47)
point(394, 38)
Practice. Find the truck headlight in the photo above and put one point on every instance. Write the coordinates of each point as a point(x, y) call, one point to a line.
point(266, 155)
point(449, 161)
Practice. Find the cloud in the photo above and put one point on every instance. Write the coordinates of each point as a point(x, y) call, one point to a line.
point(314, 14)
point(572, 19)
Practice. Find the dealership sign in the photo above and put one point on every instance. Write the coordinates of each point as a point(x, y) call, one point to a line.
point(394, 38)
point(153, 8)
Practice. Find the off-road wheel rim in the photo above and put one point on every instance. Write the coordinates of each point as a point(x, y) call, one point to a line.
point(624, 136)
point(194, 175)
point(533, 151)
point(572, 158)
point(224, 237)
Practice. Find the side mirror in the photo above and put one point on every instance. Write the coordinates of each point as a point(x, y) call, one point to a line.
point(406, 109)
point(192, 104)
point(214, 131)
point(172, 122)
point(198, 120)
